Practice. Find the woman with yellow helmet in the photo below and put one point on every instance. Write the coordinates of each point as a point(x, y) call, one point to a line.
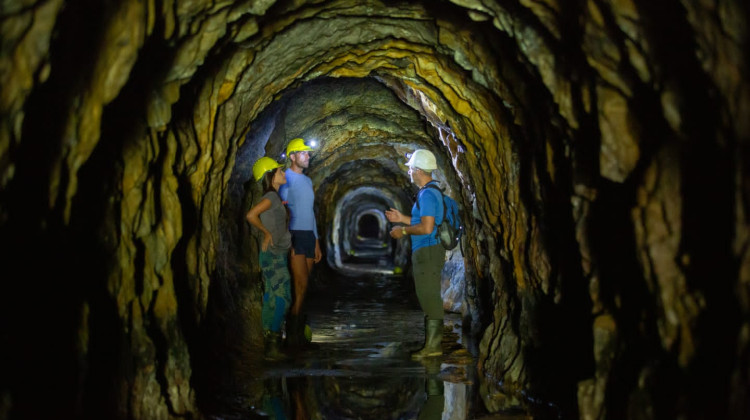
point(270, 217)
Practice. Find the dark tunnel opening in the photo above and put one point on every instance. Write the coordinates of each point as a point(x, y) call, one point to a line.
point(369, 228)
point(352, 253)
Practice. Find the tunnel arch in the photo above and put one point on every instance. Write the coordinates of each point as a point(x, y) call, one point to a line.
point(339, 245)
point(584, 138)
point(517, 150)
point(369, 150)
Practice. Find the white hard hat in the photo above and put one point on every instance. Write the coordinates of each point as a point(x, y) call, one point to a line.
point(422, 159)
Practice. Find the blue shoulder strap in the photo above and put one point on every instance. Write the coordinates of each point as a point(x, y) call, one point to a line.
point(434, 186)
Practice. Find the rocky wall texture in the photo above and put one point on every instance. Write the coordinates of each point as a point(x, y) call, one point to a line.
point(598, 148)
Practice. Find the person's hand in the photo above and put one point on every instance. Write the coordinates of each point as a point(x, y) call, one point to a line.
point(394, 216)
point(267, 241)
point(318, 254)
point(396, 232)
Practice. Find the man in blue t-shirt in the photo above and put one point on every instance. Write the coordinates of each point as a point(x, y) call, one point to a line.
point(427, 253)
point(305, 251)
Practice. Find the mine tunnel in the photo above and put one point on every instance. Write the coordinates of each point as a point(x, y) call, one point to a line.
point(597, 151)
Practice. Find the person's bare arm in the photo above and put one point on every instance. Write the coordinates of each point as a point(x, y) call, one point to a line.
point(395, 216)
point(318, 253)
point(425, 226)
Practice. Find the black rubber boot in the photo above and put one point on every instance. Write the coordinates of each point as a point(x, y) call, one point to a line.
point(273, 346)
point(432, 340)
point(292, 332)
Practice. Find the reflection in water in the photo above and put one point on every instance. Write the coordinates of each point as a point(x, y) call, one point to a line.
point(336, 397)
point(433, 407)
point(364, 330)
point(275, 402)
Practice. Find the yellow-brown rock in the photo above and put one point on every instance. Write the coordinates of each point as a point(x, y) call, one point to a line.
point(597, 148)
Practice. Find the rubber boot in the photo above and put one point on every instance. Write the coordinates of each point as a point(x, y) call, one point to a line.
point(432, 340)
point(303, 340)
point(435, 404)
point(273, 346)
point(292, 332)
point(434, 386)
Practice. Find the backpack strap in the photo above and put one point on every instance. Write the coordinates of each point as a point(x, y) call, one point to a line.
point(442, 200)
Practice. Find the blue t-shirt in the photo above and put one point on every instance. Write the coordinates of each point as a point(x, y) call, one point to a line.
point(300, 198)
point(430, 204)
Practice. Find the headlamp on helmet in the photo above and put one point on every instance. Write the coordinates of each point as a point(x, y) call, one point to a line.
point(297, 145)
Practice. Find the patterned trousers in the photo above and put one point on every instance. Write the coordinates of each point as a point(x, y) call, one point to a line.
point(277, 294)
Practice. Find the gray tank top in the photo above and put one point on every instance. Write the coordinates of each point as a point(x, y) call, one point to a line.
point(274, 219)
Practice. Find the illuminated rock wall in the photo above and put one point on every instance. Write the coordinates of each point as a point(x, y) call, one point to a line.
point(598, 149)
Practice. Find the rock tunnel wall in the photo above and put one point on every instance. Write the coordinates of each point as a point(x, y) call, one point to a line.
point(598, 148)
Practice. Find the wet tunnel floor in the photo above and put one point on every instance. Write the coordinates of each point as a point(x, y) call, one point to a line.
point(359, 367)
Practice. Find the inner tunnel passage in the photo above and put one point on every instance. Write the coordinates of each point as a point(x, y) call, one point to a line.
point(370, 227)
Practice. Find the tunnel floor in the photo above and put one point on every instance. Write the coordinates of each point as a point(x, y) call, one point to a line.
point(359, 367)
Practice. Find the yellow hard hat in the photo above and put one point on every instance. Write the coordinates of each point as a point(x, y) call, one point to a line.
point(264, 165)
point(297, 145)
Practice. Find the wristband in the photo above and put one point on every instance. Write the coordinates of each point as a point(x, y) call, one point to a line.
point(403, 231)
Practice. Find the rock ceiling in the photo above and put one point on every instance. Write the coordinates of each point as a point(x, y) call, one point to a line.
point(598, 149)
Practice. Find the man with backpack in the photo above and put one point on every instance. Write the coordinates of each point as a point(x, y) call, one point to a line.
point(428, 254)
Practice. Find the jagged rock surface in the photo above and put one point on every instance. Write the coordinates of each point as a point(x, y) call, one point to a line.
point(597, 147)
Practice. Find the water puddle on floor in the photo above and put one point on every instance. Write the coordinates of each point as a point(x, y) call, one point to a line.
point(359, 366)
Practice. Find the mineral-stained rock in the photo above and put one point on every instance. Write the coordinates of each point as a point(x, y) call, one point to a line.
point(597, 150)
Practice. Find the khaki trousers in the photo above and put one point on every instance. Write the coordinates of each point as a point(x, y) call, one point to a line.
point(427, 266)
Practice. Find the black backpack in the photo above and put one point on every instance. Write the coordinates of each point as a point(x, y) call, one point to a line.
point(450, 230)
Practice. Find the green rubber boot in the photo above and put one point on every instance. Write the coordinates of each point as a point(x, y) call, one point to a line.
point(305, 334)
point(432, 340)
point(433, 407)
